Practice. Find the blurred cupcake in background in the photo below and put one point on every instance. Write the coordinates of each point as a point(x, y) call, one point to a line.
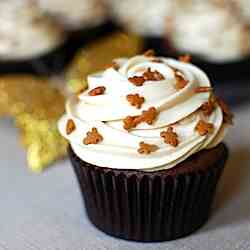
point(83, 20)
point(211, 29)
point(26, 36)
point(144, 17)
point(215, 33)
point(76, 14)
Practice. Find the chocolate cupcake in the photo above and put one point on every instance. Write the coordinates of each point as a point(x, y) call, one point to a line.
point(145, 143)
point(30, 41)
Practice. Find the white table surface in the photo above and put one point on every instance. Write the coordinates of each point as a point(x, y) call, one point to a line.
point(46, 212)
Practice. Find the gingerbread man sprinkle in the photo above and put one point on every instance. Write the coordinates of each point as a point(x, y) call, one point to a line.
point(148, 75)
point(135, 100)
point(137, 80)
point(130, 122)
point(204, 128)
point(147, 116)
point(185, 58)
point(227, 114)
point(203, 89)
point(97, 91)
point(147, 148)
point(70, 126)
point(152, 75)
point(93, 137)
point(170, 137)
point(180, 81)
point(207, 108)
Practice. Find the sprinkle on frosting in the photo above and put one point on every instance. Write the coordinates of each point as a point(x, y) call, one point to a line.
point(148, 75)
point(170, 137)
point(97, 91)
point(203, 89)
point(204, 128)
point(149, 53)
point(207, 108)
point(93, 137)
point(135, 100)
point(137, 80)
point(147, 116)
point(185, 59)
point(130, 122)
point(147, 148)
point(227, 114)
point(70, 126)
point(152, 75)
point(180, 81)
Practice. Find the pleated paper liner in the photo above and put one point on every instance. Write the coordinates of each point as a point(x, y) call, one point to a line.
point(159, 206)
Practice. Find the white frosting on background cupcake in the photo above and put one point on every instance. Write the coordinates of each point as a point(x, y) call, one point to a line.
point(146, 17)
point(212, 29)
point(76, 14)
point(25, 32)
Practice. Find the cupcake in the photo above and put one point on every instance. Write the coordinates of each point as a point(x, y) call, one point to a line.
point(28, 39)
point(146, 18)
point(84, 20)
point(227, 31)
point(145, 144)
point(215, 33)
point(76, 14)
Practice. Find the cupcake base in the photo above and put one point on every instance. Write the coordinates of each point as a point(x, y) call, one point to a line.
point(156, 206)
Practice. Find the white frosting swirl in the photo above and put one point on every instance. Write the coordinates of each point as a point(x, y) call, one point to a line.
point(106, 112)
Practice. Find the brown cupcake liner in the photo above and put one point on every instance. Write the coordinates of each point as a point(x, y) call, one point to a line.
point(140, 206)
